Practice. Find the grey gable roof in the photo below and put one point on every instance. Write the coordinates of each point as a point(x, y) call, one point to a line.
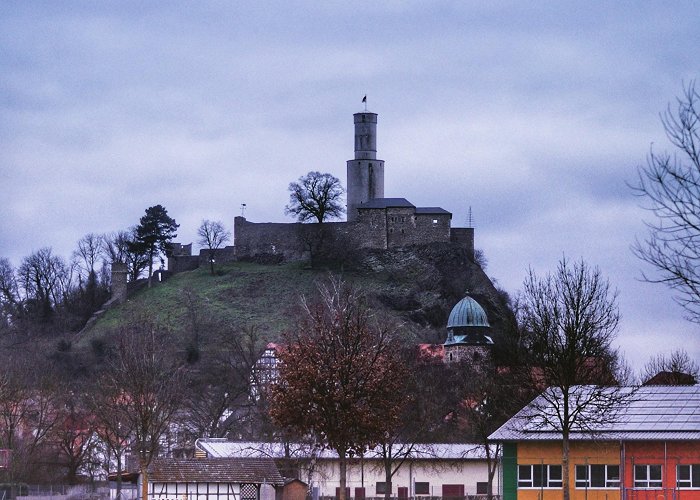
point(650, 413)
point(386, 203)
point(432, 210)
point(382, 203)
point(215, 470)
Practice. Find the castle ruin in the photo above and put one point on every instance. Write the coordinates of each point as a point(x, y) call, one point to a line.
point(373, 221)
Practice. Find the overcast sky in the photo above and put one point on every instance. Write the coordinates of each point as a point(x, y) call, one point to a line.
point(534, 114)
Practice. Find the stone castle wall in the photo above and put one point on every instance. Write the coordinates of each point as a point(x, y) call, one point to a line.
point(376, 229)
point(464, 237)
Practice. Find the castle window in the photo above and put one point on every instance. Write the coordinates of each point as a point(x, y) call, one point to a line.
point(402, 231)
point(435, 221)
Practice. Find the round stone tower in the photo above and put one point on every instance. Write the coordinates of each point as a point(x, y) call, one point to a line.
point(365, 173)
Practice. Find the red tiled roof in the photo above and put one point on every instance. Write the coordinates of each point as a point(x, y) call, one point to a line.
point(215, 470)
point(431, 351)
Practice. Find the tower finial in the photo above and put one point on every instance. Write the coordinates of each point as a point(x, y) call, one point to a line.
point(364, 101)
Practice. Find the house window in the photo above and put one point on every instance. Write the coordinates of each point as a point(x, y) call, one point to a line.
point(688, 476)
point(597, 476)
point(482, 488)
point(435, 221)
point(539, 476)
point(422, 488)
point(647, 476)
point(382, 488)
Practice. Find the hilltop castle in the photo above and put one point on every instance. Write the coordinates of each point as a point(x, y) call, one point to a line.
point(373, 221)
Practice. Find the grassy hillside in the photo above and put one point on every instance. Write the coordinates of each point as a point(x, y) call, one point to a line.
point(417, 287)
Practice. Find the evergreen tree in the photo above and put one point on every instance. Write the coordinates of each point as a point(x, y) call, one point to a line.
point(154, 233)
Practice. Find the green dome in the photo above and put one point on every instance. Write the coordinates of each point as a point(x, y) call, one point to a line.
point(466, 313)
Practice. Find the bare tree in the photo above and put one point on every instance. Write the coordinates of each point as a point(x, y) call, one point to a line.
point(89, 253)
point(570, 319)
point(213, 235)
point(92, 289)
point(28, 414)
point(10, 302)
point(74, 436)
point(44, 278)
point(120, 247)
point(669, 186)
point(340, 376)
point(110, 409)
point(147, 376)
point(678, 366)
point(315, 196)
point(490, 398)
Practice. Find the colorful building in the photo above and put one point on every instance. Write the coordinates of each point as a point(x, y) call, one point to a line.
point(649, 450)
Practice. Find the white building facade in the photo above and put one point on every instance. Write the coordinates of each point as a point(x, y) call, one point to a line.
point(440, 470)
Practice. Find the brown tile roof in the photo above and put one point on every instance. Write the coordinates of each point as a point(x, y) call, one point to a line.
point(215, 470)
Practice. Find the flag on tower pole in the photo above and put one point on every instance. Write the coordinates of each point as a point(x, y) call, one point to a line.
point(364, 100)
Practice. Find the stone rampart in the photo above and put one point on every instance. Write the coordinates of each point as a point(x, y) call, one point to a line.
point(380, 229)
point(377, 229)
point(464, 237)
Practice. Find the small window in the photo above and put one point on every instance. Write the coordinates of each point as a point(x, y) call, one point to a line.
point(422, 488)
point(647, 476)
point(382, 488)
point(435, 221)
point(482, 488)
point(688, 476)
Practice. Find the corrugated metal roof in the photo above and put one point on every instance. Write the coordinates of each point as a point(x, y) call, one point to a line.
point(648, 413)
point(215, 470)
point(225, 448)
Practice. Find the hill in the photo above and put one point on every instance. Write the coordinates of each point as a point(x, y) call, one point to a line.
point(417, 286)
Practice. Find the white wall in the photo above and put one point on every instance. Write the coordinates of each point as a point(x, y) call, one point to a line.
point(368, 472)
